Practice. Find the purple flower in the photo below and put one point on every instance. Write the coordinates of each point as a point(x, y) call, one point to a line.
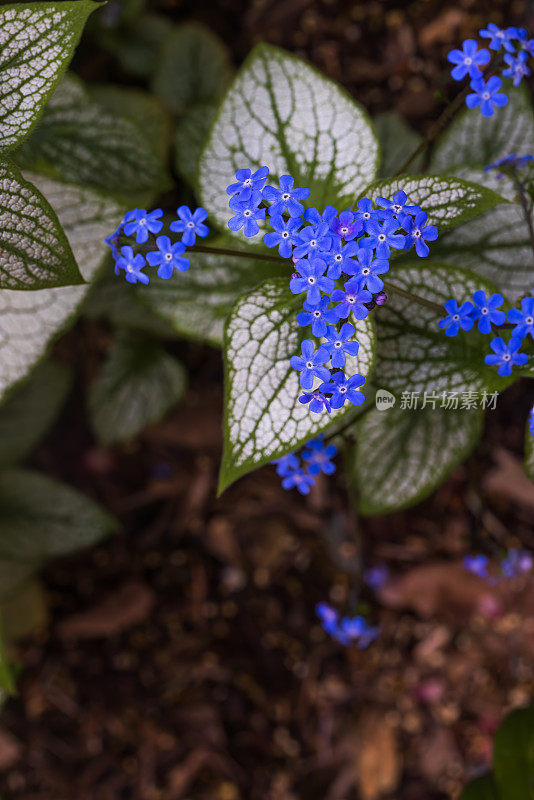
point(140, 222)
point(168, 257)
point(468, 60)
point(285, 234)
point(418, 233)
point(486, 310)
point(247, 214)
point(478, 565)
point(286, 464)
point(397, 204)
point(383, 237)
point(248, 182)
point(311, 364)
point(317, 402)
point(359, 632)
point(499, 37)
point(352, 299)
point(319, 457)
point(340, 258)
point(285, 198)
point(376, 577)
point(312, 239)
point(457, 317)
point(365, 213)
point(486, 95)
point(524, 319)
point(340, 344)
point(313, 280)
point(516, 563)
point(318, 316)
point(346, 225)
point(343, 388)
point(298, 479)
point(369, 269)
point(517, 67)
point(190, 224)
point(505, 356)
point(132, 265)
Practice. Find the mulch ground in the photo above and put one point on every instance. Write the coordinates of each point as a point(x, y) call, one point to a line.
point(182, 658)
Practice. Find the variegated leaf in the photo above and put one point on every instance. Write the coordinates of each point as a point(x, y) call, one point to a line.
point(280, 112)
point(81, 141)
point(36, 43)
point(34, 251)
point(414, 354)
point(263, 417)
point(29, 321)
point(402, 455)
point(447, 201)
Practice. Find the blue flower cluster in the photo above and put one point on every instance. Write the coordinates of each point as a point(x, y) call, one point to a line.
point(468, 61)
point(486, 312)
point(515, 564)
point(346, 630)
point(338, 259)
point(317, 457)
point(169, 255)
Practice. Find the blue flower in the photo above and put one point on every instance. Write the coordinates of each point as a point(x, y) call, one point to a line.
point(340, 258)
point(457, 317)
point(317, 402)
point(511, 162)
point(286, 464)
point(376, 577)
point(397, 204)
point(285, 198)
point(505, 356)
point(247, 214)
point(313, 280)
point(285, 235)
point(516, 563)
point(383, 236)
point(365, 212)
point(140, 222)
point(343, 388)
point(369, 269)
point(478, 565)
point(248, 182)
point(468, 60)
point(418, 233)
point(298, 479)
point(190, 224)
point(340, 344)
point(312, 239)
point(486, 95)
point(319, 457)
point(499, 37)
point(168, 256)
point(359, 632)
point(524, 319)
point(132, 265)
point(486, 310)
point(517, 67)
point(113, 240)
point(311, 364)
point(328, 618)
point(524, 42)
point(318, 316)
point(352, 299)
point(347, 225)
point(531, 421)
point(312, 215)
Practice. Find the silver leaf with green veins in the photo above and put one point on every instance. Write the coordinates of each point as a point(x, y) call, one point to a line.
point(36, 43)
point(447, 201)
point(34, 251)
point(414, 354)
point(282, 113)
point(30, 320)
point(263, 417)
point(401, 455)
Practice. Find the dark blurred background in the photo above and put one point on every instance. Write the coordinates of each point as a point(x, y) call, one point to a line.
point(182, 659)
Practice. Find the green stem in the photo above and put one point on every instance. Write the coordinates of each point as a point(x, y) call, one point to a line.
point(527, 209)
point(222, 251)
